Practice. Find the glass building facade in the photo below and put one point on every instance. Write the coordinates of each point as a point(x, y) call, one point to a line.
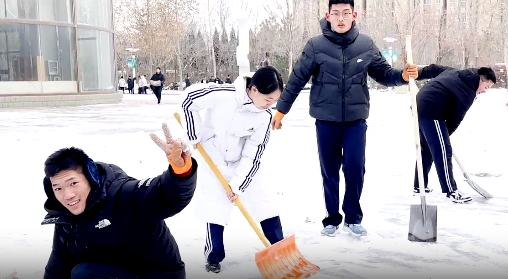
point(56, 47)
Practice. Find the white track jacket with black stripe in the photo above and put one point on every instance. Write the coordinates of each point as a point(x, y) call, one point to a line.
point(235, 134)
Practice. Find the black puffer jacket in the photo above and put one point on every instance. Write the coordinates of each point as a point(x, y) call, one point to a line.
point(339, 64)
point(449, 95)
point(123, 225)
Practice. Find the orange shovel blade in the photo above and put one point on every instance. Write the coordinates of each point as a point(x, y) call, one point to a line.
point(283, 260)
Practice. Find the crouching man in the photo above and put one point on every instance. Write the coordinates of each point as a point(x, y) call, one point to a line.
point(110, 225)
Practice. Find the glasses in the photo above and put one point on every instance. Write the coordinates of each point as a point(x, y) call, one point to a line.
point(345, 15)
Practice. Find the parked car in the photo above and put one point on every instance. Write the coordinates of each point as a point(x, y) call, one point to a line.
point(501, 74)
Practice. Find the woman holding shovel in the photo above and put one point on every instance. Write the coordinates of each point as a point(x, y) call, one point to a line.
point(234, 133)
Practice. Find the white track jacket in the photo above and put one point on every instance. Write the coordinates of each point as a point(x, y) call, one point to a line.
point(234, 133)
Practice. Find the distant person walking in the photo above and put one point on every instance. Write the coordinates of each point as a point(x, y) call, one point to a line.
point(156, 84)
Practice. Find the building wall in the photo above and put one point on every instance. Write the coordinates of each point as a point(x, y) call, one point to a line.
point(59, 50)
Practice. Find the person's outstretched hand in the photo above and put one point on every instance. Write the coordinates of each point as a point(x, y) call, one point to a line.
point(177, 151)
point(410, 70)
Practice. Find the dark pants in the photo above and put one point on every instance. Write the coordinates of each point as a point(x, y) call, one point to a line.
point(437, 149)
point(214, 248)
point(342, 143)
point(157, 90)
point(95, 270)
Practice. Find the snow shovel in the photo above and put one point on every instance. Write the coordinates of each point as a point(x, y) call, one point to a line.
point(280, 261)
point(471, 183)
point(423, 217)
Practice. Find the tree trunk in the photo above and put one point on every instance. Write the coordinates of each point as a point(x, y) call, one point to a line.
point(178, 50)
point(150, 59)
point(441, 34)
point(214, 64)
point(505, 38)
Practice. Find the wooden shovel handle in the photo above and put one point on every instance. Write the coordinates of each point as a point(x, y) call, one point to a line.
point(416, 126)
point(226, 186)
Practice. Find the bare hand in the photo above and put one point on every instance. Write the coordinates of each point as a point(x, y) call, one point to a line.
point(231, 196)
point(410, 70)
point(12, 276)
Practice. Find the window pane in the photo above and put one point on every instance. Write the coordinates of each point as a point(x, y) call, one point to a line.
point(58, 52)
point(19, 51)
point(2, 9)
point(96, 60)
point(21, 9)
point(55, 10)
point(90, 14)
point(37, 59)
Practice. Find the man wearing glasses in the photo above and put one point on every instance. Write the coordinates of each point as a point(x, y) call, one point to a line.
point(339, 61)
point(442, 104)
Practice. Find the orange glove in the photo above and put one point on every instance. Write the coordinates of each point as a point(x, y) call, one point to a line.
point(410, 70)
point(277, 120)
point(177, 151)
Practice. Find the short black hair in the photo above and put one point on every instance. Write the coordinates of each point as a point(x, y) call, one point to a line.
point(488, 74)
point(334, 2)
point(267, 80)
point(71, 158)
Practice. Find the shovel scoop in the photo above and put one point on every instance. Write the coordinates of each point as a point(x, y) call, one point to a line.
point(423, 223)
point(284, 260)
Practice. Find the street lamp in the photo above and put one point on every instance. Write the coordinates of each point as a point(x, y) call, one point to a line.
point(132, 61)
point(389, 39)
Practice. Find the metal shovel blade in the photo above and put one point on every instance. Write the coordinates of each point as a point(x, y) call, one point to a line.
point(478, 189)
point(423, 229)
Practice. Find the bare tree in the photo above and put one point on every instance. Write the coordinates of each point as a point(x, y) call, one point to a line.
point(210, 34)
point(504, 21)
point(291, 32)
point(183, 11)
point(462, 33)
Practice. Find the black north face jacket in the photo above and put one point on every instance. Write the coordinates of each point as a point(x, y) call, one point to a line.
point(339, 64)
point(122, 226)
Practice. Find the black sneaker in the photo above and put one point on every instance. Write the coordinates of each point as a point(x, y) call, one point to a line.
point(213, 267)
point(417, 191)
point(458, 197)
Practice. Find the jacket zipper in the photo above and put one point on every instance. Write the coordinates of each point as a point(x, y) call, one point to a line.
point(343, 86)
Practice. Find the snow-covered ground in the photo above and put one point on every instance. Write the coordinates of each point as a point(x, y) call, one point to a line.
point(472, 240)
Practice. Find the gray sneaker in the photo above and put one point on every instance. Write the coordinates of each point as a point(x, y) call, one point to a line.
point(355, 229)
point(330, 230)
